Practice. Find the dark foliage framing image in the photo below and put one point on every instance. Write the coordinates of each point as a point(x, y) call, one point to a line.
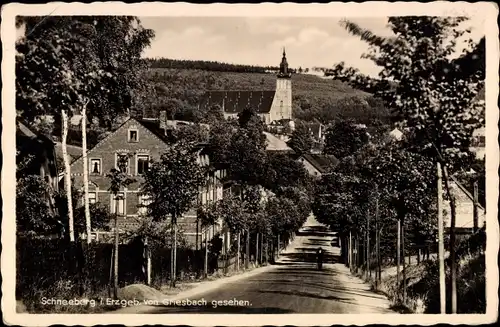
point(250, 165)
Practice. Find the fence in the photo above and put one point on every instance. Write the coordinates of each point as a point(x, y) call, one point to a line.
point(43, 263)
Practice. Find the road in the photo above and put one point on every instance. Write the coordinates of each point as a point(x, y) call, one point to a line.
point(293, 285)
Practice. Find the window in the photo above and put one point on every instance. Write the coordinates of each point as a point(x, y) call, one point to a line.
point(95, 166)
point(142, 163)
point(118, 158)
point(133, 135)
point(144, 201)
point(92, 197)
point(118, 202)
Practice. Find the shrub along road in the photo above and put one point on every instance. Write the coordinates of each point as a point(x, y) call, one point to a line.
point(292, 285)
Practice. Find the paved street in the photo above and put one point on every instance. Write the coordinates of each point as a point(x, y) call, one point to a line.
point(293, 285)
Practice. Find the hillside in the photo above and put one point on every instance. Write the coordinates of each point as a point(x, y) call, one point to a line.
point(314, 97)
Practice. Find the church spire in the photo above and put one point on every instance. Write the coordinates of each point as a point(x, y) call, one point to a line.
point(284, 66)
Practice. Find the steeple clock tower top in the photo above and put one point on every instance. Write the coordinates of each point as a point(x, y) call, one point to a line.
point(284, 73)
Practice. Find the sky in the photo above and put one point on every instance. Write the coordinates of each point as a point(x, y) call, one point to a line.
point(309, 41)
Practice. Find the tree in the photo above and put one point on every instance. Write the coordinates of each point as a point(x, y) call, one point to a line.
point(173, 183)
point(433, 94)
point(301, 140)
point(343, 138)
point(284, 217)
point(33, 211)
point(220, 136)
point(208, 215)
point(283, 171)
point(247, 149)
point(233, 215)
point(118, 179)
point(100, 218)
point(213, 115)
point(65, 62)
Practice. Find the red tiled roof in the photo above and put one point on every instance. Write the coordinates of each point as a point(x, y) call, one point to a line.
point(237, 101)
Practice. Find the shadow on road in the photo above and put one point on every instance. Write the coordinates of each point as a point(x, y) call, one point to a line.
point(209, 308)
point(304, 294)
point(309, 257)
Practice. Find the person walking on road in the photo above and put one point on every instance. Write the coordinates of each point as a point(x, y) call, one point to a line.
point(319, 254)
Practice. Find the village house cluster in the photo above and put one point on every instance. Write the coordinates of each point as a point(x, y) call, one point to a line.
point(141, 140)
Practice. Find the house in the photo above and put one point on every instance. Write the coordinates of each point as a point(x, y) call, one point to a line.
point(43, 150)
point(318, 164)
point(464, 210)
point(43, 160)
point(142, 140)
point(270, 105)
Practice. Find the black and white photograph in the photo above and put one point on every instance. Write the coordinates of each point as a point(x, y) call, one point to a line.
point(249, 165)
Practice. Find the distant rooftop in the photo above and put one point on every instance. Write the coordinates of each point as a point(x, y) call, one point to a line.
point(275, 144)
point(236, 101)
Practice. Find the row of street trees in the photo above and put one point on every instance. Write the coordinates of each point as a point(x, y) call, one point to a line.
point(434, 98)
point(271, 190)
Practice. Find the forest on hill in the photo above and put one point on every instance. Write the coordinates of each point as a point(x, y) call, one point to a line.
point(214, 66)
point(178, 92)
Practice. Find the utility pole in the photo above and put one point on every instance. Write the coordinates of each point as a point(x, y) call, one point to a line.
point(442, 279)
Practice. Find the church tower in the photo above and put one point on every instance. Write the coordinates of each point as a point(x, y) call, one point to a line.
point(282, 104)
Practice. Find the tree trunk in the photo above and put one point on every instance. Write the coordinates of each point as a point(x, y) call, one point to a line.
point(368, 246)
point(205, 266)
point(117, 247)
point(238, 252)
point(175, 253)
point(453, 264)
point(85, 173)
point(111, 265)
point(379, 263)
point(357, 253)
point(267, 250)
point(476, 209)
point(261, 248)
point(67, 175)
point(403, 253)
point(442, 272)
point(350, 251)
point(257, 249)
point(247, 250)
point(197, 232)
point(398, 251)
point(172, 257)
point(278, 254)
point(148, 261)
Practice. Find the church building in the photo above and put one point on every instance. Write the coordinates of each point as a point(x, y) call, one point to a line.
point(271, 106)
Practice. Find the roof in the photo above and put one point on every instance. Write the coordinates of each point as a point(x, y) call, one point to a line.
point(74, 152)
point(322, 162)
point(154, 127)
point(275, 144)
point(237, 101)
point(23, 131)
